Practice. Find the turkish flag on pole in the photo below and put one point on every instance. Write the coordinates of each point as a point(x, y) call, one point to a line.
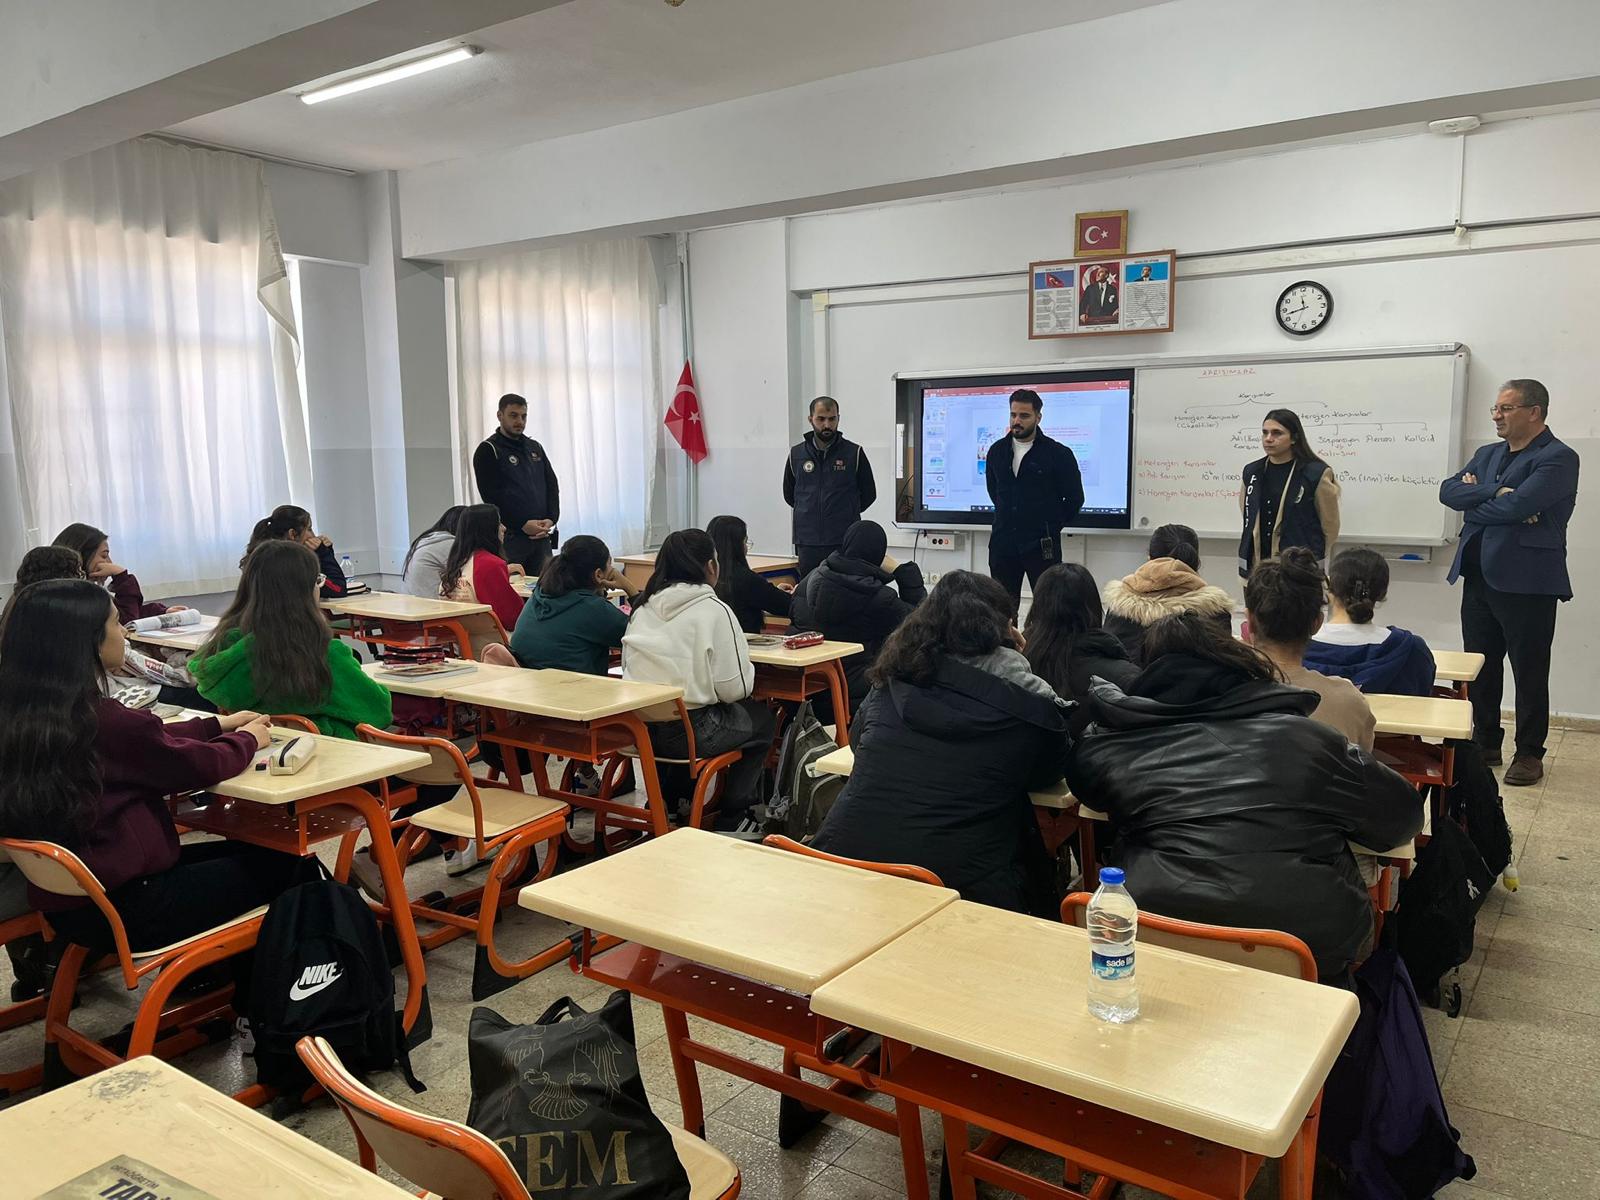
point(683, 418)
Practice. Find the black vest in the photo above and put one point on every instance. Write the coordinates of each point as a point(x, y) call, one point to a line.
point(827, 498)
point(1297, 514)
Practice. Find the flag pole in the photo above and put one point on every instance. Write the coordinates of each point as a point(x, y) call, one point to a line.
point(687, 328)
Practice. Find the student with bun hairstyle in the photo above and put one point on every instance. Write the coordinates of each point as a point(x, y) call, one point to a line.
point(291, 523)
point(1168, 584)
point(1376, 658)
point(568, 623)
point(682, 633)
point(273, 650)
point(94, 551)
point(1283, 598)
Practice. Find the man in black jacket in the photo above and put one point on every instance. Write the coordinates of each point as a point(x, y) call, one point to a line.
point(514, 474)
point(828, 482)
point(1037, 491)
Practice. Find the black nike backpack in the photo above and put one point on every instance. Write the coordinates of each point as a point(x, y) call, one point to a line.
point(321, 971)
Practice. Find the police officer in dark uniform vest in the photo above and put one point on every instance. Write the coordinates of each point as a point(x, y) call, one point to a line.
point(1289, 498)
point(514, 474)
point(828, 483)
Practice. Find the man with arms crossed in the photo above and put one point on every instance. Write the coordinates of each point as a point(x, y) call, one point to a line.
point(514, 474)
point(828, 482)
point(1516, 497)
point(1037, 490)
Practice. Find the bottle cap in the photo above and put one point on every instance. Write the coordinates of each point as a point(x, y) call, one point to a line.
point(1111, 875)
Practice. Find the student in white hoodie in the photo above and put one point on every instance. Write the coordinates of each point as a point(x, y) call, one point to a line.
point(681, 633)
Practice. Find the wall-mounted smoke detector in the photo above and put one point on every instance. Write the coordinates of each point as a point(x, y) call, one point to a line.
point(1455, 125)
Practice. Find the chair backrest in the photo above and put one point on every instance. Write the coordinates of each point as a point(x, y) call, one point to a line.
point(899, 870)
point(295, 721)
point(57, 870)
point(448, 765)
point(445, 1157)
point(1264, 949)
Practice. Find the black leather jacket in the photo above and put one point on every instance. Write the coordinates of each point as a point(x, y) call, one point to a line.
point(1232, 807)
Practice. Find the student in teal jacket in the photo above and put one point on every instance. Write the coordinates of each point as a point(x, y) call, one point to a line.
point(274, 652)
point(568, 623)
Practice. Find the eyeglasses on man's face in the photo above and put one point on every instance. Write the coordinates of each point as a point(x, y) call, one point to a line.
point(1500, 410)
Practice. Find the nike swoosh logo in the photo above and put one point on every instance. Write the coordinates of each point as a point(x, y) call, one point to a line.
point(296, 992)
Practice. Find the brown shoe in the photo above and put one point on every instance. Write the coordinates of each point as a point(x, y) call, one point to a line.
point(1523, 771)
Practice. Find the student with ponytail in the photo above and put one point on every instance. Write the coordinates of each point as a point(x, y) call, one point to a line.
point(1168, 584)
point(1283, 600)
point(1376, 658)
point(291, 523)
point(568, 623)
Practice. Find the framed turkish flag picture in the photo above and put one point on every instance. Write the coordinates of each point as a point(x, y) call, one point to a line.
point(1100, 233)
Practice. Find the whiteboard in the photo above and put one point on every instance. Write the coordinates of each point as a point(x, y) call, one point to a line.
point(1388, 423)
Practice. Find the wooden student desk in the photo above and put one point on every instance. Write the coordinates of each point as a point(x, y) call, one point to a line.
point(639, 567)
point(183, 637)
point(151, 1111)
point(324, 800)
point(375, 616)
point(1459, 668)
point(783, 674)
point(975, 997)
point(739, 934)
point(1422, 716)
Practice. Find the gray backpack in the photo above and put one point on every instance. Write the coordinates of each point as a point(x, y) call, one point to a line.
point(800, 799)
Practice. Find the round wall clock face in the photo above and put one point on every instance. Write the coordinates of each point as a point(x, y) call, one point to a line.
point(1304, 307)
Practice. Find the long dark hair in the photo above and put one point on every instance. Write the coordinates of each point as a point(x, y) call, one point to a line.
point(966, 615)
point(1290, 420)
point(573, 569)
point(1066, 605)
point(682, 559)
point(50, 684)
point(1195, 636)
point(478, 528)
point(85, 539)
point(728, 535)
point(445, 524)
point(1176, 541)
point(277, 603)
point(1359, 579)
point(1284, 597)
point(283, 520)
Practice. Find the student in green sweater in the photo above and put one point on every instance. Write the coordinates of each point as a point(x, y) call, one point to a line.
point(274, 652)
point(568, 623)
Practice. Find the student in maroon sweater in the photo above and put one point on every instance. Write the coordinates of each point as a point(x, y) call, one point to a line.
point(94, 548)
point(85, 772)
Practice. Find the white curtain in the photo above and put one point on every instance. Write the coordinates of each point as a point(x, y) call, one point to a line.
point(575, 330)
point(149, 350)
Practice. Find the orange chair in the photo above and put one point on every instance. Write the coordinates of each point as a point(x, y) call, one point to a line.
point(23, 1011)
point(899, 870)
point(294, 721)
point(496, 821)
point(455, 1162)
point(54, 869)
point(1172, 1160)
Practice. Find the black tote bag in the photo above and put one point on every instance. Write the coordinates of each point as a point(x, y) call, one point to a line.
point(563, 1098)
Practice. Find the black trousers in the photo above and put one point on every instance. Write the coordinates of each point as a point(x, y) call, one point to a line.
point(743, 725)
point(532, 553)
point(811, 557)
point(1502, 625)
point(1008, 569)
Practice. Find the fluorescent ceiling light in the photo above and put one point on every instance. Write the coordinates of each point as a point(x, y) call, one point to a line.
point(388, 75)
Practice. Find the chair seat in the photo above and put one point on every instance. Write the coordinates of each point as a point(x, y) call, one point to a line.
point(204, 933)
point(633, 752)
point(710, 1171)
point(502, 811)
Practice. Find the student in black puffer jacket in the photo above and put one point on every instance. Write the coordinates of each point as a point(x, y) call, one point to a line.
point(849, 598)
point(1065, 643)
point(1230, 806)
point(956, 733)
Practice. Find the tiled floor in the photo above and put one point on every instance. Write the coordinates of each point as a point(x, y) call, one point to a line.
point(1520, 1068)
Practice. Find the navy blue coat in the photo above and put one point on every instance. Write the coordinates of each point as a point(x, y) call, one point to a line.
point(1517, 556)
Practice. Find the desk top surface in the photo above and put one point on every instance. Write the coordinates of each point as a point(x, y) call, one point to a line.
point(1229, 1053)
point(150, 1111)
point(1422, 716)
point(1460, 666)
point(435, 687)
point(399, 606)
point(809, 656)
point(759, 563)
point(181, 637)
point(338, 763)
point(566, 695)
point(770, 915)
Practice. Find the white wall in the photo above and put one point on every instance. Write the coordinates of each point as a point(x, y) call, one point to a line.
point(1523, 310)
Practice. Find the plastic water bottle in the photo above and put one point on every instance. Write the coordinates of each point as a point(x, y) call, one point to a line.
point(1113, 923)
point(348, 567)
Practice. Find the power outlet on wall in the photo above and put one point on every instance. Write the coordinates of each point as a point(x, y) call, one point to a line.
point(944, 541)
point(929, 578)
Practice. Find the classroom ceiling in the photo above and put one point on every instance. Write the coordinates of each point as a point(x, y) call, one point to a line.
point(590, 64)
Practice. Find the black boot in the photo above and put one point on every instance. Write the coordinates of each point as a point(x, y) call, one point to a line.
point(28, 967)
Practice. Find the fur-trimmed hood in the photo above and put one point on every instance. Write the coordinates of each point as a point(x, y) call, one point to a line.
point(1164, 587)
